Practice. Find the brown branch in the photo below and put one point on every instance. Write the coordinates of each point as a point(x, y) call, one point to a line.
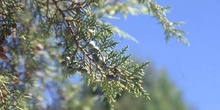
point(72, 32)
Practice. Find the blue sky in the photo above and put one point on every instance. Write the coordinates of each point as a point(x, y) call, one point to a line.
point(194, 69)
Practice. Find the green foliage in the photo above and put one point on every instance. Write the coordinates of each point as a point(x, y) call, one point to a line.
point(164, 96)
point(45, 42)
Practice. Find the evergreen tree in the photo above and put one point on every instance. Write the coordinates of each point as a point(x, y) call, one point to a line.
point(44, 42)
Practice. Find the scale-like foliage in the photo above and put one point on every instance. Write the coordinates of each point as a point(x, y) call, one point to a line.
point(44, 42)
